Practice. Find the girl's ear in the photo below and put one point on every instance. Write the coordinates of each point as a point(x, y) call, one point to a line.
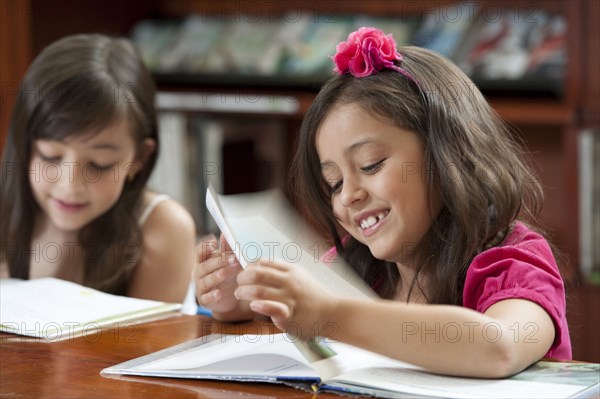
point(148, 148)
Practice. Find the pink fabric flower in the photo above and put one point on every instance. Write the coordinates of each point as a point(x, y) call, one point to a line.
point(366, 51)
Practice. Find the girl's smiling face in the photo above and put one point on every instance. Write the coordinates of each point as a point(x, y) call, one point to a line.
point(77, 180)
point(377, 176)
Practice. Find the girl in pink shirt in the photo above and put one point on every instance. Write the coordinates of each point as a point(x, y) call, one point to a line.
point(401, 154)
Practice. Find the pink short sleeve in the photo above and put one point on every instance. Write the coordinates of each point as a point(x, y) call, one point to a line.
point(329, 255)
point(524, 268)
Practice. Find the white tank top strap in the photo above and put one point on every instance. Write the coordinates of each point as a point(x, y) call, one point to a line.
point(157, 199)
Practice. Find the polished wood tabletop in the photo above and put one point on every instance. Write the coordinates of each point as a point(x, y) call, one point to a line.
point(38, 368)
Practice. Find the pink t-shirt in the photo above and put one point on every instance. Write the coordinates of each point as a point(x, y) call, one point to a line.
point(523, 267)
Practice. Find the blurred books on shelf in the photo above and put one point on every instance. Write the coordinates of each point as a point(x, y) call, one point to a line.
point(589, 204)
point(234, 154)
point(511, 51)
point(516, 52)
point(275, 53)
point(444, 35)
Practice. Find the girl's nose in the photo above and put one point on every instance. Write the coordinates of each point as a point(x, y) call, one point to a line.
point(72, 177)
point(352, 192)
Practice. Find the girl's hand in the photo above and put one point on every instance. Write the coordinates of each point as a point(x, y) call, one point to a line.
point(215, 278)
point(289, 296)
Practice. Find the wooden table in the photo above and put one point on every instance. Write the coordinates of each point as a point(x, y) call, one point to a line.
point(33, 368)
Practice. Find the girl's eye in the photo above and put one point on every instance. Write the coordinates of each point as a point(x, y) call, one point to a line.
point(373, 167)
point(336, 187)
point(102, 168)
point(49, 158)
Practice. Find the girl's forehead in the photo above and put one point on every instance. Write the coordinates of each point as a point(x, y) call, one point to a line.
point(337, 120)
point(115, 134)
point(353, 130)
point(347, 124)
point(119, 131)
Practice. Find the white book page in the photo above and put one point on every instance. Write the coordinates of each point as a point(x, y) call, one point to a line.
point(357, 369)
point(421, 383)
point(232, 355)
point(48, 307)
point(263, 226)
point(349, 358)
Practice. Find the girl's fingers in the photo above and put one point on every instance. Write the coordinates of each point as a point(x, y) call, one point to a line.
point(252, 292)
point(208, 266)
point(216, 273)
point(205, 249)
point(277, 311)
point(258, 273)
point(217, 261)
point(209, 298)
point(273, 265)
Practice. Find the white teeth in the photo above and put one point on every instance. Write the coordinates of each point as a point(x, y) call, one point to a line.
point(371, 220)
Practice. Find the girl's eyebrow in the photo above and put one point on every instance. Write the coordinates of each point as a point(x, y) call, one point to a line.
point(351, 148)
point(361, 143)
point(106, 146)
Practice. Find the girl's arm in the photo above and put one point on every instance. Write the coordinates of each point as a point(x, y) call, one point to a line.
point(511, 335)
point(169, 237)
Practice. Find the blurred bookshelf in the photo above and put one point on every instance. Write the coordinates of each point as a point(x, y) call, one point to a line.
point(236, 77)
point(515, 51)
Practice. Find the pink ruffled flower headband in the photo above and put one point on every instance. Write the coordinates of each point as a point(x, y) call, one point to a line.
point(367, 51)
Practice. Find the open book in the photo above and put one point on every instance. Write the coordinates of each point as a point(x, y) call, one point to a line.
point(55, 309)
point(264, 225)
point(275, 359)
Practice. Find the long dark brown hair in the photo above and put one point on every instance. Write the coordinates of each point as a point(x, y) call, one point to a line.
point(79, 84)
point(472, 160)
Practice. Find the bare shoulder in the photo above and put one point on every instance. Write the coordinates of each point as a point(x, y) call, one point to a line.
point(169, 236)
point(168, 217)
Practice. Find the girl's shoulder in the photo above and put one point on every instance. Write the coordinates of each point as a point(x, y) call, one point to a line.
point(168, 236)
point(522, 267)
point(523, 263)
point(160, 213)
point(522, 233)
point(521, 243)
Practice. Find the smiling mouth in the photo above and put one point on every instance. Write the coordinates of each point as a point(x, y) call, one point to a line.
point(69, 205)
point(373, 220)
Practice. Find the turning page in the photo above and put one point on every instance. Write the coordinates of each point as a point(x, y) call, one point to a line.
point(264, 225)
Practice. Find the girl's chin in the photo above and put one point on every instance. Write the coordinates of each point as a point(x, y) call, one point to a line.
point(378, 251)
point(380, 254)
point(67, 226)
point(387, 254)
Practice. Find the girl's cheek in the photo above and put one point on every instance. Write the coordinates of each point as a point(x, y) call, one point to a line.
point(337, 209)
point(108, 186)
